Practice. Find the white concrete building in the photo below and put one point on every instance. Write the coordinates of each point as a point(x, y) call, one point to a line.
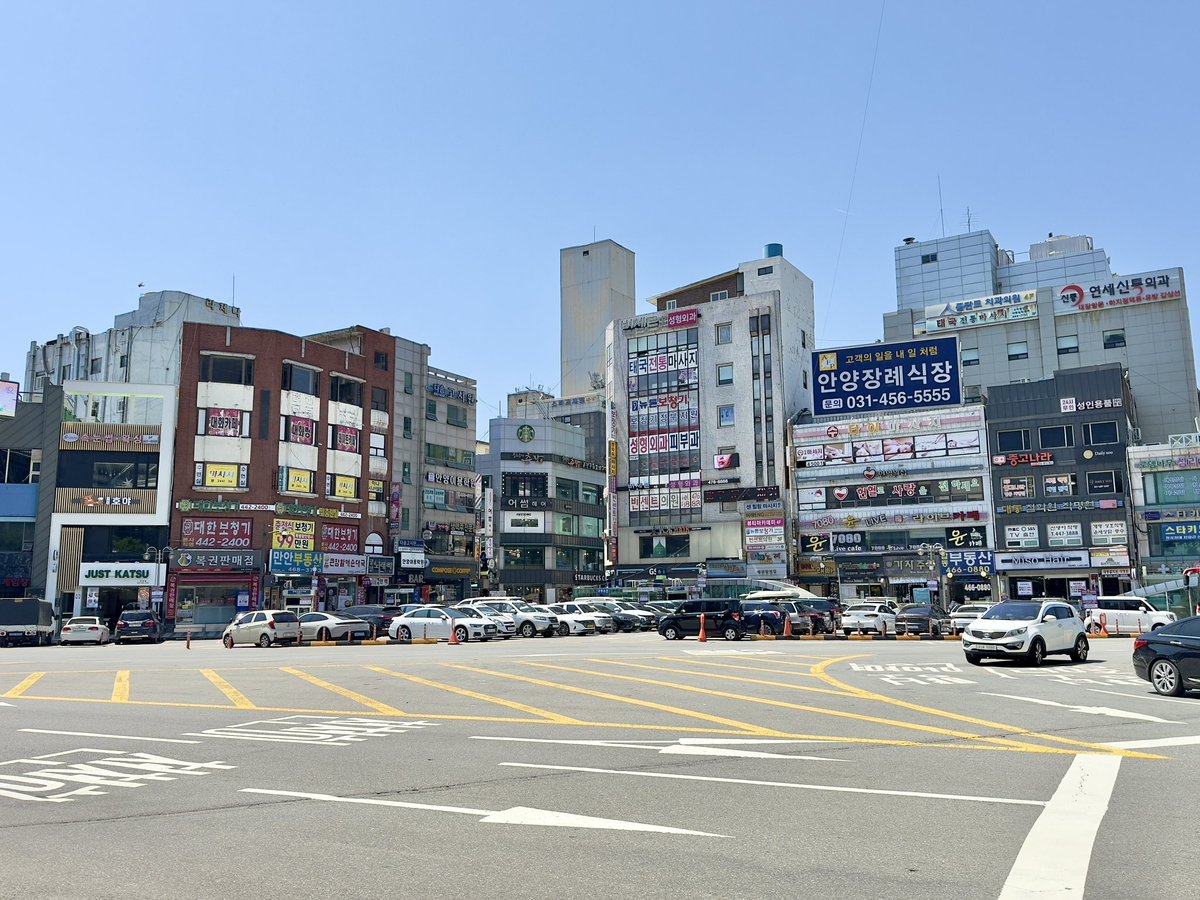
point(596, 286)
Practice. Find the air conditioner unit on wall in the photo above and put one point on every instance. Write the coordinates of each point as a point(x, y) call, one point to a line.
point(1135, 435)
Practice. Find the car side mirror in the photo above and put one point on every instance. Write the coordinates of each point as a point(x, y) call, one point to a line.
point(1049, 618)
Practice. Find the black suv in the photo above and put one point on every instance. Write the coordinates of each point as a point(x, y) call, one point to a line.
point(138, 625)
point(721, 617)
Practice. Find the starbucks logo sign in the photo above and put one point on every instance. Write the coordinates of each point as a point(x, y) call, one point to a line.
point(525, 434)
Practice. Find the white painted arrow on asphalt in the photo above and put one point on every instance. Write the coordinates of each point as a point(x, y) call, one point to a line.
point(517, 815)
point(2, 703)
point(1090, 710)
point(684, 747)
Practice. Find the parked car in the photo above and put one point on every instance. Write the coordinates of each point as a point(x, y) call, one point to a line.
point(1026, 629)
point(805, 619)
point(602, 617)
point(333, 626)
point(1130, 614)
point(506, 626)
point(437, 621)
point(722, 617)
point(138, 625)
point(377, 616)
point(84, 630)
point(623, 619)
point(966, 613)
point(650, 614)
point(1169, 657)
point(569, 622)
point(26, 620)
point(529, 620)
point(923, 618)
point(264, 627)
point(868, 617)
point(759, 615)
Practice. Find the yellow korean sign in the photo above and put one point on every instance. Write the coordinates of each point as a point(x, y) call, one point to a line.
point(220, 475)
point(299, 481)
point(345, 486)
point(293, 534)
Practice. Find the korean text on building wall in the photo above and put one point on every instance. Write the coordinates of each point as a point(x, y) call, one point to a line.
point(916, 374)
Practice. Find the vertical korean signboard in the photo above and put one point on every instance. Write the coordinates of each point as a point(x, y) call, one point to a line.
point(919, 374)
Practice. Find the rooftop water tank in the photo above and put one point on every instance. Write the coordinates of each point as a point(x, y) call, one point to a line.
point(773, 250)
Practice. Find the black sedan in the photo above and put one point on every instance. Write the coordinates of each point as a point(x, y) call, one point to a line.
point(923, 618)
point(1169, 657)
point(377, 616)
point(760, 616)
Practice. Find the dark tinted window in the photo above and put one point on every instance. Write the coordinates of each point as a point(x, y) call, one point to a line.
point(1062, 612)
point(1013, 611)
point(136, 616)
point(285, 617)
point(692, 606)
point(1189, 627)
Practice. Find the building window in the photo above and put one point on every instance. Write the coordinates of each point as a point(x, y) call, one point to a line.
point(803, 338)
point(725, 333)
point(589, 493)
point(1059, 485)
point(524, 558)
point(1018, 350)
point(664, 546)
point(725, 416)
point(341, 487)
point(379, 445)
point(456, 416)
point(970, 357)
point(566, 489)
point(124, 359)
point(1068, 343)
point(345, 390)
point(1097, 433)
point(1012, 441)
point(406, 473)
point(927, 258)
point(718, 295)
point(671, 304)
point(1109, 533)
point(408, 383)
point(296, 481)
point(125, 475)
point(17, 467)
point(95, 366)
point(1056, 436)
point(566, 558)
point(404, 521)
point(344, 438)
point(379, 399)
point(805, 378)
point(431, 410)
point(754, 325)
point(217, 422)
point(381, 360)
point(376, 493)
point(298, 430)
point(1111, 481)
point(725, 373)
point(1114, 338)
point(1018, 536)
point(450, 457)
point(227, 369)
point(300, 379)
point(766, 270)
point(534, 484)
point(1064, 534)
point(407, 427)
point(565, 523)
point(1020, 488)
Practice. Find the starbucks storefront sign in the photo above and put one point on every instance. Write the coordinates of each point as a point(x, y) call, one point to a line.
point(120, 574)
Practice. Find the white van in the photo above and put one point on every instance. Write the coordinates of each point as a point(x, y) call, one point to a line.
point(1127, 613)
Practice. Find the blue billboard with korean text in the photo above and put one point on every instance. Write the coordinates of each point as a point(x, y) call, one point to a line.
point(919, 374)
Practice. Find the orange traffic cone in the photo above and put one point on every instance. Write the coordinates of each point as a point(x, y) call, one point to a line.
point(702, 637)
point(454, 641)
point(787, 626)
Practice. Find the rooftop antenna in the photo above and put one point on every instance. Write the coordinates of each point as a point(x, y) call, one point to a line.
point(968, 219)
point(941, 209)
point(233, 299)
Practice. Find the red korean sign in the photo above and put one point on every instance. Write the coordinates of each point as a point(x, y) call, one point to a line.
point(223, 423)
point(216, 534)
point(683, 318)
point(339, 538)
point(301, 431)
point(346, 439)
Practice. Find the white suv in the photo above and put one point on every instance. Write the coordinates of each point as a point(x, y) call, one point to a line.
point(529, 621)
point(1026, 629)
point(1126, 613)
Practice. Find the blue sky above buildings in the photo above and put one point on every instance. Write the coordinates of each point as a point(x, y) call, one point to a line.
point(420, 165)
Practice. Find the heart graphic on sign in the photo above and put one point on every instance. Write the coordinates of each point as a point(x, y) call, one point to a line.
point(841, 493)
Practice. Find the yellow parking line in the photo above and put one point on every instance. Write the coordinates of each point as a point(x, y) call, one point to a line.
point(741, 678)
point(674, 710)
point(970, 720)
point(511, 704)
point(707, 664)
point(344, 692)
point(120, 693)
point(929, 729)
point(30, 681)
point(236, 697)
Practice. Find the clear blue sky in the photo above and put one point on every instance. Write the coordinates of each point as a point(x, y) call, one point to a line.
point(420, 165)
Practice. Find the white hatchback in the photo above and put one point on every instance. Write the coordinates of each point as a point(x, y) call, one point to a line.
point(1126, 613)
point(1026, 629)
point(868, 617)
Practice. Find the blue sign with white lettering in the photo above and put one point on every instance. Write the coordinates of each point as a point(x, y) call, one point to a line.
point(970, 562)
point(919, 374)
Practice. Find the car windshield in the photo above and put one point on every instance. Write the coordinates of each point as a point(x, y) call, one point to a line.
point(457, 613)
point(1013, 611)
point(524, 607)
point(488, 611)
point(555, 609)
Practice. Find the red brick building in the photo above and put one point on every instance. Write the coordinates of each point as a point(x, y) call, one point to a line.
point(282, 457)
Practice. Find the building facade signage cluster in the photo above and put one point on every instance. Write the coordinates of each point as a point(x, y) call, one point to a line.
point(854, 520)
point(905, 375)
point(733, 495)
point(220, 534)
point(1134, 290)
point(898, 449)
point(964, 488)
point(970, 562)
point(1012, 307)
point(1042, 458)
point(441, 390)
point(1050, 559)
point(1071, 404)
point(280, 509)
point(1168, 462)
point(102, 436)
point(903, 424)
point(463, 481)
point(216, 560)
point(1019, 509)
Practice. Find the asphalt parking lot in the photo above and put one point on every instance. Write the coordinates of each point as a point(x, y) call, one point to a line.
point(554, 766)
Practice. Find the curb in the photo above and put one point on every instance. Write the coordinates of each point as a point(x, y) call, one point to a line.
point(1104, 637)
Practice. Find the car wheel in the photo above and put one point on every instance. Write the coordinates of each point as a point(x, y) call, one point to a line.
point(671, 633)
point(1037, 652)
point(846, 632)
point(1093, 628)
point(405, 634)
point(731, 633)
point(564, 629)
point(461, 633)
point(117, 641)
point(974, 659)
point(528, 629)
point(324, 634)
point(1164, 675)
point(228, 641)
point(1079, 653)
point(1156, 626)
point(264, 640)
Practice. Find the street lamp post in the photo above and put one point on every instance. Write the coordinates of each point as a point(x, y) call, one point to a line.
point(157, 555)
point(935, 554)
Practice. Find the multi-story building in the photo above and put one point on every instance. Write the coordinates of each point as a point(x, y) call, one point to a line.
point(585, 411)
point(1063, 503)
point(596, 286)
point(892, 504)
point(700, 394)
point(547, 513)
point(25, 428)
point(1061, 308)
point(142, 347)
point(288, 444)
point(432, 491)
